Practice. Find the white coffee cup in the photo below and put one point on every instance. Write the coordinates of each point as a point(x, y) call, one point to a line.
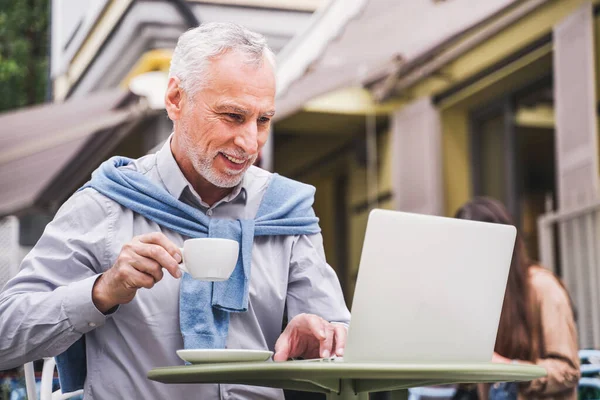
point(209, 259)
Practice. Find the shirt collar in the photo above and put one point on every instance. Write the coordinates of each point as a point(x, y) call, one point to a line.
point(176, 183)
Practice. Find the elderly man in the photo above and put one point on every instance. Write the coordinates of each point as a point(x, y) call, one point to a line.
point(98, 271)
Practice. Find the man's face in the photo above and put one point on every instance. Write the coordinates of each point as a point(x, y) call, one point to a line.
point(226, 123)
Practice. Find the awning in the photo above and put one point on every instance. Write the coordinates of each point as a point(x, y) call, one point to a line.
point(350, 41)
point(41, 145)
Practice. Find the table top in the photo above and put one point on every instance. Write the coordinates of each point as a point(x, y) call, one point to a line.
point(320, 376)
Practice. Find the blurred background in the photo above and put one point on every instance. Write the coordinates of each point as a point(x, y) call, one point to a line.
point(400, 104)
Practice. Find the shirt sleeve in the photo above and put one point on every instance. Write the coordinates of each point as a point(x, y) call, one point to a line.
point(559, 339)
point(313, 286)
point(48, 305)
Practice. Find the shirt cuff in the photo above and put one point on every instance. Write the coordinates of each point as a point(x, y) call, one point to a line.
point(79, 307)
point(340, 323)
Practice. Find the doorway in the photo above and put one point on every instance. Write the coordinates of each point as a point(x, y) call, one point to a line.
point(512, 143)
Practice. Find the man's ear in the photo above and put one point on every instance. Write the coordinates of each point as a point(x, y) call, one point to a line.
point(174, 98)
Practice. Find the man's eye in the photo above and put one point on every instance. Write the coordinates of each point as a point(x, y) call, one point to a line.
point(235, 117)
point(264, 120)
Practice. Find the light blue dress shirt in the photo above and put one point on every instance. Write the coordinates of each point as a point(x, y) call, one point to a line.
point(48, 305)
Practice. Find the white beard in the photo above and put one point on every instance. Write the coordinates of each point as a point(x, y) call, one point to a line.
point(203, 164)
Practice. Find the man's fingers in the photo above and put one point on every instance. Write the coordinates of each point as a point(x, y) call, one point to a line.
point(282, 348)
point(160, 255)
point(138, 279)
point(326, 345)
point(310, 336)
point(340, 333)
point(323, 332)
point(160, 239)
point(317, 326)
point(148, 266)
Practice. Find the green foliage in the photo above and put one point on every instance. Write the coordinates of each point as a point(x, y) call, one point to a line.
point(23, 52)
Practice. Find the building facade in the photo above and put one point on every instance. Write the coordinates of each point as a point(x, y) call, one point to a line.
point(506, 107)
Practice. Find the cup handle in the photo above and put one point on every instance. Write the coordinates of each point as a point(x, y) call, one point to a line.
point(181, 264)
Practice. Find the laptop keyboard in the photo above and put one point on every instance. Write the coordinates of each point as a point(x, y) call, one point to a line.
point(327, 359)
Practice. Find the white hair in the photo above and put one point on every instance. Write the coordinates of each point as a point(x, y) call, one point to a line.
point(196, 47)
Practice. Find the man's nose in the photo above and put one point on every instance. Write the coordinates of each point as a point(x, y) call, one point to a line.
point(247, 139)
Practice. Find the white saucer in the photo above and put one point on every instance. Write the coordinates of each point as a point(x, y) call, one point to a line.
point(203, 356)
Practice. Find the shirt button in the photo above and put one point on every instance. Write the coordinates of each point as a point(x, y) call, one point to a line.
point(209, 212)
point(92, 324)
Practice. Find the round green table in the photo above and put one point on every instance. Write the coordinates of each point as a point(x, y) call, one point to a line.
point(345, 381)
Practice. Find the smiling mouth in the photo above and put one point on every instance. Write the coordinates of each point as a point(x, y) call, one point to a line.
point(238, 161)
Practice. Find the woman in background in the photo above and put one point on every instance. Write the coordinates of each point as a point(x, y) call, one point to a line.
point(536, 325)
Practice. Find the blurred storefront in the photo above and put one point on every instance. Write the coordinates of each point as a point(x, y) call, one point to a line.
point(503, 105)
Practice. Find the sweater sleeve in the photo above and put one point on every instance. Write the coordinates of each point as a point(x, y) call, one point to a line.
point(559, 338)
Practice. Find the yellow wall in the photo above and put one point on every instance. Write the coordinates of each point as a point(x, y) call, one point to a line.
point(325, 209)
point(519, 35)
point(358, 174)
point(296, 156)
point(292, 155)
point(454, 110)
point(457, 173)
point(358, 196)
point(152, 60)
point(455, 154)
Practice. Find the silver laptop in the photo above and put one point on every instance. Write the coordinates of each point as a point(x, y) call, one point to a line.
point(429, 289)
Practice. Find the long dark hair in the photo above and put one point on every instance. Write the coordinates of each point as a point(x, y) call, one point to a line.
point(517, 331)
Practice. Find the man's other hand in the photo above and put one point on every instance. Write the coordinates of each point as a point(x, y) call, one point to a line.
point(310, 336)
